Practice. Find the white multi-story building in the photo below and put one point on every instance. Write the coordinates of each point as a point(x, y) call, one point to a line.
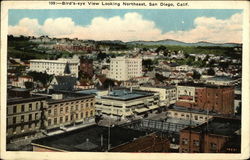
point(122, 68)
point(56, 67)
point(167, 94)
point(125, 104)
point(196, 116)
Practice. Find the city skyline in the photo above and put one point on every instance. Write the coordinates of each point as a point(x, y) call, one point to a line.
point(130, 25)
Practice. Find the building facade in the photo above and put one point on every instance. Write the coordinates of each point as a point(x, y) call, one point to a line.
point(122, 68)
point(197, 116)
point(167, 93)
point(210, 137)
point(86, 66)
point(20, 82)
point(219, 99)
point(66, 110)
point(124, 104)
point(55, 67)
point(24, 117)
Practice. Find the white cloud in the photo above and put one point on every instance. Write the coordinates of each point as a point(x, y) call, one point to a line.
point(212, 30)
point(26, 26)
point(133, 27)
point(58, 27)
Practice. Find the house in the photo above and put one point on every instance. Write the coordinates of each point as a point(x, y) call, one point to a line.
point(21, 80)
point(60, 83)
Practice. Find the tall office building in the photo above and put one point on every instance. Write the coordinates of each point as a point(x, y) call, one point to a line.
point(122, 68)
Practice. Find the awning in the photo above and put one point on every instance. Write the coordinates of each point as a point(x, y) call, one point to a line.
point(140, 110)
point(154, 107)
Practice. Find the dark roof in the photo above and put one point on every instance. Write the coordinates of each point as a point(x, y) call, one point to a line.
point(159, 86)
point(67, 69)
point(69, 96)
point(64, 83)
point(149, 143)
point(192, 110)
point(219, 126)
point(18, 100)
point(192, 84)
point(66, 79)
point(91, 136)
point(125, 94)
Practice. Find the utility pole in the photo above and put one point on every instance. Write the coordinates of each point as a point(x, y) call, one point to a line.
point(190, 121)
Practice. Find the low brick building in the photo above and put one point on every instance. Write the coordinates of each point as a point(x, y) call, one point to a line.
point(219, 99)
point(86, 66)
point(149, 143)
point(210, 137)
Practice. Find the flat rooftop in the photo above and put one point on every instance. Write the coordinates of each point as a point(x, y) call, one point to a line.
point(222, 78)
point(92, 138)
point(185, 109)
point(17, 100)
point(70, 96)
point(219, 126)
point(191, 84)
point(88, 91)
point(164, 87)
point(124, 94)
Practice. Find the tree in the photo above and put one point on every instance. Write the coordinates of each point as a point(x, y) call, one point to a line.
point(238, 110)
point(98, 118)
point(161, 48)
point(160, 77)
point(101, 56)
point(44, 78)
point(212, 62)
point(186, 55)
point(196, 75)
point(29, 85)
point(108, 83)
point(148, 63)
point(165, 53)
point(210, 72)
point(224, 65)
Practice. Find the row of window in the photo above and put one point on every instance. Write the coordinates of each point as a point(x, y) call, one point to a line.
point(196, 117)
point(196, 143)
point(14, 108)
point(68, 109)
point(72, 117)
point(30, 126)
point(74, 102)
point(185, 141)
point(14, 119)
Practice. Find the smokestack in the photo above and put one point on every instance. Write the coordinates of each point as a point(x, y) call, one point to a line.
point(101, 140)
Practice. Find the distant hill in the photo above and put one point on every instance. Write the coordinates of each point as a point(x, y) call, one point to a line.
point(179, 43)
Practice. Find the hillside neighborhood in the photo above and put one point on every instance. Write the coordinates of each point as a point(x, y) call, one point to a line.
point(140, 96)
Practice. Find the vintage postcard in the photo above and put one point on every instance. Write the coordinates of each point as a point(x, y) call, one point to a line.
point(124, 80)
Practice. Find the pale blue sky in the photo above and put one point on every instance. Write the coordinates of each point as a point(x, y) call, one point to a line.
point(166, 20)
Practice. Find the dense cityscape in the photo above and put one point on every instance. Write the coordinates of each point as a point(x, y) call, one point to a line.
point(111, 96)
